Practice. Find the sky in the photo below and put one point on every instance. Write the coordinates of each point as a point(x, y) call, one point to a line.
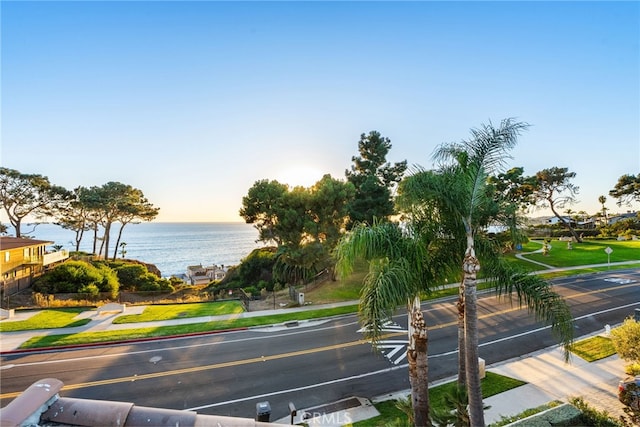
point(193, 102)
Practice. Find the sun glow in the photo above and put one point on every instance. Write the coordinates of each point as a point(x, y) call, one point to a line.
point(299, 176)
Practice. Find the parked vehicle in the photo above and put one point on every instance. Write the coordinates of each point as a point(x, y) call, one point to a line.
point(629, 392)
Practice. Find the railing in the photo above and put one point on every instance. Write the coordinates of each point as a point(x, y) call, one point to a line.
point(54, 257)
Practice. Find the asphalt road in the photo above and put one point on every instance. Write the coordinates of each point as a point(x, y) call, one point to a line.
point(313, 364)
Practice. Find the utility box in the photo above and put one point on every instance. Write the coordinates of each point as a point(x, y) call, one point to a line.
point(481, 367)
point(301, 298)
point(263, 411)
point(637, 315)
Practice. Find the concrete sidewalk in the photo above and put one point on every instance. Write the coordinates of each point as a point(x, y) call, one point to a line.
point(550, 379)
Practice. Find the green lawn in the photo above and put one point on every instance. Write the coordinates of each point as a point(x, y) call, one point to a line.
point(594, 348)
point(180, 311)
point(587, 252)
point(347, 289)
point(47, 319)
point(192, 328)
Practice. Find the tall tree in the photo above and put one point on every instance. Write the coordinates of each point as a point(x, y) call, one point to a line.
point(262, 207)
point(627, 189)
point(133, 207)
point(397, 275)
point(602, 200)
point(374, 179)
point(329, 211)
point(305, 223)
point(460, 188)
point(514, 191)
point(23, 194)
point(555, 191)
point(114, 202)
point(91, 201)
point(75, 217)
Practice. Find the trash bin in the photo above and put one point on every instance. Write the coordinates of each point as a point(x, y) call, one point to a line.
point(263, 411)
point(637, 315)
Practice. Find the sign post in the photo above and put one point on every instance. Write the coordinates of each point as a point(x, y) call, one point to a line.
point(608, 250)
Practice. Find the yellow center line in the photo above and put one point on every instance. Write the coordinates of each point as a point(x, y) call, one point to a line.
point(284, 355)
point(201, 368)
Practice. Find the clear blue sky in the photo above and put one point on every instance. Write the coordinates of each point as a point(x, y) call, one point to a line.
point(192, 102)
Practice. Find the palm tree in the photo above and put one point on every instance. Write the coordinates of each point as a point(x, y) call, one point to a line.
point(397, 259)
point(603, 200)
point(460, 188)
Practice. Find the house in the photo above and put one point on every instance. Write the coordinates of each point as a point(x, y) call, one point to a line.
point(22, 260)
point(565, 219)
point(199, 275)
point(621, 217)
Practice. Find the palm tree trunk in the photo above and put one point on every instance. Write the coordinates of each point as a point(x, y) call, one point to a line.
point(471, 266)
point(462, 370)
point(418, 364)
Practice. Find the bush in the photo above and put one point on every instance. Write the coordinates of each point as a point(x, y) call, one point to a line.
point(72, 276)
point(592, 417)
point(626, 340)
point(632, 369)
point(89, 290)
point(109, 282)
point(136, 277)
point(252, 290)
point(257, 267)
point(131, 276)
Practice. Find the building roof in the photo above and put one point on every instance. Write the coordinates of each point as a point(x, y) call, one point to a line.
point(7, 242)
point(40, 404)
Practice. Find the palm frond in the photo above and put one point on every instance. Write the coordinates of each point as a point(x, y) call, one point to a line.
point(387, 286)
point(537, 295)
point(473, 160)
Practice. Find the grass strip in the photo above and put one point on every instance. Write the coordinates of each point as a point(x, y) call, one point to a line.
point(47, 319)
point(588, 252)
point(526, 414)
point(594, 348)
point(181, 311)
point(492, 384)
point(192, 328)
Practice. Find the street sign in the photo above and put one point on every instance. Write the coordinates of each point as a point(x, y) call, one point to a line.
point(608, 251)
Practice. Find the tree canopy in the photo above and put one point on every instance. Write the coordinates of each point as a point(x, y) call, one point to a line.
point(98, 208)
point(304, 223)
point(555, 190)
point(374, 179)
point(627, 189)
point(23, 194)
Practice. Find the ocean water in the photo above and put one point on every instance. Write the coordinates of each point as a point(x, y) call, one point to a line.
point(170, 246)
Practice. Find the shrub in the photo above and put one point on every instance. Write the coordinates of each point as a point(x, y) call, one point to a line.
point(73, 275)
point(632, 369)
point(591, 416)
point(252, 290)
point(109, 282)
point(626, 339)
point(257, 267)
point(131, 276)
point(90, 290)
